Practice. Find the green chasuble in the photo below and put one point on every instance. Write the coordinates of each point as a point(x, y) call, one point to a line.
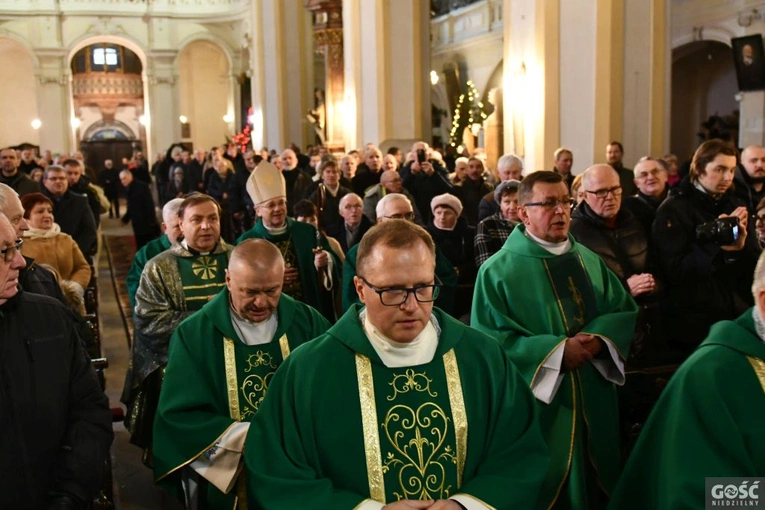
point(300, 240)
point(531, 301)
point(142, 256)
point(174, 284)
point(444, 271)
point(708, 423)
point(208, 364)
point(339, 427)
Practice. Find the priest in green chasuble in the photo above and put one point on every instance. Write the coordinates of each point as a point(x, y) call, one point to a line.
point(566, 322)
point(174, 284)
point(398, 406)
point(221, 362)
point(312, 269)
point(708, 422)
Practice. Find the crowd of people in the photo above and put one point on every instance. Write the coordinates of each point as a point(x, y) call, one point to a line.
point(414, 330)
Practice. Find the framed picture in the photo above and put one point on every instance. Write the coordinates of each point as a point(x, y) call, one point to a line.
point(749, 58)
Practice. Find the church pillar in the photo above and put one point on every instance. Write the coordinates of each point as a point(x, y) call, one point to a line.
point(328, 38)
point(387, 67)
point(53, 102)
point(162, 124)
point(609, 76)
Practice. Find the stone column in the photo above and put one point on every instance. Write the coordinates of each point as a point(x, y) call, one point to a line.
point(163, 128)
point(53, 102)
point(328, 38)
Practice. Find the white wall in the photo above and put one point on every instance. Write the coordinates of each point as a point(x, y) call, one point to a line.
point(18, 101)
point(203, 87)
point(577, 80)
point(637, 76)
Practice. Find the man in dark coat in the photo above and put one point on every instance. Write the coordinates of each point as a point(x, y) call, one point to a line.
point(614, 155)
point(749, 182)
point(425, 180)
point(109, 178)
point(651, 181)
point(354, 225)
point(80, 183)
point(12, 176)
point(71, 210)
point(140, 209)
point(56, 428)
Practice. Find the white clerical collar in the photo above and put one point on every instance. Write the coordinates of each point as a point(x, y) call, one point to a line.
point(186, 246)
point(554, 248)
point(254, 333)
point(276, 231)
point(394, 354)
point(759, 323)
point(701, 188)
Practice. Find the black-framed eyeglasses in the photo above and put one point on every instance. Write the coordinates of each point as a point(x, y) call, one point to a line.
point(404, 216)
point(10, 252)
point(603, 193)
point(552, 203)
point(396, 296)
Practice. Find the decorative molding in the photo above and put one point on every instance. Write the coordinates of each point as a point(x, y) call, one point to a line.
point(479, 20)
point(329, 42)
point(88, 85)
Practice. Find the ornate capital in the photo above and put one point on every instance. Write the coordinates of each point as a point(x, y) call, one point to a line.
point(329, 42)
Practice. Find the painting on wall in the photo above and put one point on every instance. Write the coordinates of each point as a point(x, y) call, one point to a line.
point(749, 58)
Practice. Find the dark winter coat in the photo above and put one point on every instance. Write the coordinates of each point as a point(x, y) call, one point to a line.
point(73, 214)
point(140, 209)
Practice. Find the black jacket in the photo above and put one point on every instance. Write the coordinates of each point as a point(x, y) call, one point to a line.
point(38, 280)
point(457, 246)
point(82, 187)
point(744, 190)
point(471, 194)
point(643, 208)
point(624, 249)
point(140, 209)
point(705, 283)
point(55, 423)
point(21, 183)
point(424, 187)
point(72, 213)
point(338, 232)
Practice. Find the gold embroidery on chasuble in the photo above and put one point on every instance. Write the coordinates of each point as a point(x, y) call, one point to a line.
point(287, 249)
point(205, 268)
point(759, 369)
point(257, 368)
point(422, 434)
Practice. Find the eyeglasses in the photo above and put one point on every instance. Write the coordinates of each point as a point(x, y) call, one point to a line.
point(552, 204)
point(644, 175)
point(353, 206)
point(10, 252)
point(273, 205)
point(396, 296)
point(603, 193)
point(404, 216)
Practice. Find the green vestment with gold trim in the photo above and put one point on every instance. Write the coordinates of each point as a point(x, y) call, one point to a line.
point(531, 301)
point(174, 284)
point(707, 423)
point(208, 361)
point(300, 240)
point(339, 427)
point(142, 256)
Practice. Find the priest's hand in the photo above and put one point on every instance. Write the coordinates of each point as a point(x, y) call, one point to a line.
point(592, 343)
point(409, 504)
point(575, 354)
point(321, 259)
point(446, 504)
point(641, 284)
point(290, 275)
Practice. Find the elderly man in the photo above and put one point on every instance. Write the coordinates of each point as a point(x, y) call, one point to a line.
point(174, 284)
point(296, 181)
point(348, 169)
point(32, 277)
point(196, 170)
point(171, 231)
point(425, 178)
point(614, 155)
point(460, 167)
point(80, 183)
point(218, 371)
point(140, 209)
point(71, 210)
point(750, 177)
point(56, 428)
point(564, 160)
point(390, 182)
point(369, 174)
point(312, 269)
point(12, 176)
point(403, 373)
point(566, 322)
point(472, 190)
point(109, 179)
point(509, 168)
point(395, 206)
point(354, 225)
point(651, 181)
point(493, 231)
point(328, 193)
point(708, 420)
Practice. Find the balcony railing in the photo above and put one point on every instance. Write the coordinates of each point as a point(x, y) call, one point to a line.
point(95, 85)
point(171, 8)
point(473, 20)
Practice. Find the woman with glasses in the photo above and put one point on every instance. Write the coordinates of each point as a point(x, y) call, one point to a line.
point(707, 264)
point(46, 244)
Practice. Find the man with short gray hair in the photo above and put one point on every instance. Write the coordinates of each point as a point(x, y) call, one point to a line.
point(509, 168)
point(707, 422)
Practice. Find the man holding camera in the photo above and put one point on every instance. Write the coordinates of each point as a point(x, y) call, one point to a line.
point(707, 259)
point(425, 178)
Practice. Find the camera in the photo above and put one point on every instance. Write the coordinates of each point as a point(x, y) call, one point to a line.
point(421, 156)
point(721, 231)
